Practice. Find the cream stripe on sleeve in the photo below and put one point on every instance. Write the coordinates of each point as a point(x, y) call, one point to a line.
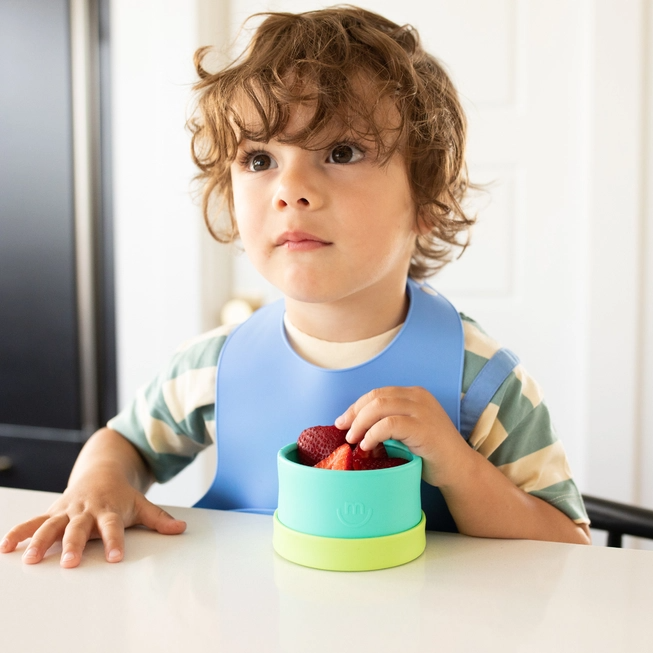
point(160, 436)
point(488, 434)
point(539, 469)
point(529, 388)
point(189, 391)
point(210, 430)
point(476, 342)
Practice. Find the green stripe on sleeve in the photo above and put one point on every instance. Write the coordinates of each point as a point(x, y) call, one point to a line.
point(195, 423)
point(166, 465)
point(566, 497)
point(532, 433)
point(163, 466)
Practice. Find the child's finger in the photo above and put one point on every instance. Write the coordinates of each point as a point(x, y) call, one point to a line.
point(75, 537)
point(392, 427)
point(385, 406)
point(112, 531)
point(346, 420)
point(395, 427)
point(46, 535)
point(21, 532)
point(159, 520)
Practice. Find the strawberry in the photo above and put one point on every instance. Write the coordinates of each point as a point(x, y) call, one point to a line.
point(317, 442)
point(360, 456)
point(341, 459)
point(378, 463)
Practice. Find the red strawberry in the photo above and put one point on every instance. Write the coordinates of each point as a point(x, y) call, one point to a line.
point(360, 456)
point(379, 463)
point(317, 442)
point(341, 458)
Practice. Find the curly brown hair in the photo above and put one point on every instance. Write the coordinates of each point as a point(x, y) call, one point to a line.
point(317, 59)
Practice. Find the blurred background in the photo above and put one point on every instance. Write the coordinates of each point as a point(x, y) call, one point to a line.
point(105, 265)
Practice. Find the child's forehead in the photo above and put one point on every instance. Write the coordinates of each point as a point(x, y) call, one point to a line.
point(296, 128)
point(367, 116)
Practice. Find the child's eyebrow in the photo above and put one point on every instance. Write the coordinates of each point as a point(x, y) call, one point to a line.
point(248, 142)
point(326, 140)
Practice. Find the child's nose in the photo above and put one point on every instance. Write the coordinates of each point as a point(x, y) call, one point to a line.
point(296, 190)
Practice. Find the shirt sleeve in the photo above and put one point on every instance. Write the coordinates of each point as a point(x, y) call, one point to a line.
point(172, 418)
point(516, 434)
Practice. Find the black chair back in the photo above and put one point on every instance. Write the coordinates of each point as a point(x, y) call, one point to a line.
point(619, 519)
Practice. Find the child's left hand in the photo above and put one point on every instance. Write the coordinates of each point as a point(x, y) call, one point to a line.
point(411, 415)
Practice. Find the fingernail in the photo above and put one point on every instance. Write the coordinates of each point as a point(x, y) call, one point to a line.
point(4, 544)
point(114, 554)
point(339, 420)
point(31, 553)
point(67, 557)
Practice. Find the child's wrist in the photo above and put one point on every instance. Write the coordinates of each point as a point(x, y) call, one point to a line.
point(460, 467)
point(103, 473)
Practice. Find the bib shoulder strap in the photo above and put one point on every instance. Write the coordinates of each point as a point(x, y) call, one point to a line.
point(484, 387)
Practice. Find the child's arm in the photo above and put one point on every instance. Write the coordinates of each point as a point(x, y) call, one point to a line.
point(104, 496)
point(482, 501)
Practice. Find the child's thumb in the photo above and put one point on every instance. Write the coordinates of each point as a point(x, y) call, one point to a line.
point(159, 520)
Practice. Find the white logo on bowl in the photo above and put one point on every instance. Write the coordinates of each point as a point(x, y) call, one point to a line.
point(354, 514)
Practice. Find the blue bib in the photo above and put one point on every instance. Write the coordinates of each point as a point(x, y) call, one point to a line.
point(266, 395)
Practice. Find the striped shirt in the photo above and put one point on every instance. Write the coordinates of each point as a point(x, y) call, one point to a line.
point(173, 418)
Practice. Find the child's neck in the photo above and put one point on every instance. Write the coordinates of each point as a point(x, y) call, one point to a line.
point(360, 316)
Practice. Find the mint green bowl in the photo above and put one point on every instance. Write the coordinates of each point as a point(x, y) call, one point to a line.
point(349, 504)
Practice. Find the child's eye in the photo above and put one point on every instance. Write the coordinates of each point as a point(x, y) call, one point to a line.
point(345, 153)
point(258, 161)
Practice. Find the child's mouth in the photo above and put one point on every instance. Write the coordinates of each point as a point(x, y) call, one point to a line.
point(303, 245)
point(296, 241)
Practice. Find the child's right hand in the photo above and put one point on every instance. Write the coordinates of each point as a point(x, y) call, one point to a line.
point(100, 502)
point(91, 508)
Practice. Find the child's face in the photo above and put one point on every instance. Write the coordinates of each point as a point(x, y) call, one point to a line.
point(325, 225)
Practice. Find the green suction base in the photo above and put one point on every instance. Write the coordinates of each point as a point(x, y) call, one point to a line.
point(349, 554)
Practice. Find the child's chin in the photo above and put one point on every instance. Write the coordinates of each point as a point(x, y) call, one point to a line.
point(311, 292)
point(308, 296)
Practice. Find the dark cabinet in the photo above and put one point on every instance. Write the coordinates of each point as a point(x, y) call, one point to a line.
point(36, 464)
point(46, 362)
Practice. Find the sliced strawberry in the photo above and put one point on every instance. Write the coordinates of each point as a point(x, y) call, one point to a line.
point(378, 463)
point(360, 456)
point(317, 442)
point(341, 458)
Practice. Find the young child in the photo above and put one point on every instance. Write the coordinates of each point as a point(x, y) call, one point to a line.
point(337, 144)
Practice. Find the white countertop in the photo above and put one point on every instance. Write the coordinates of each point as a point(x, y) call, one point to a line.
point(221, 587)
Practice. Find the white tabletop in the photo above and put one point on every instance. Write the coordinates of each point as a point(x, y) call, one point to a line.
point(221, 587)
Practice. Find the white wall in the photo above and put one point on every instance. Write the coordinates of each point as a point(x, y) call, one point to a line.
point(591, 233)
point(645, 452)
point(164, 260)
point(156, 226)
point(618, 286)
